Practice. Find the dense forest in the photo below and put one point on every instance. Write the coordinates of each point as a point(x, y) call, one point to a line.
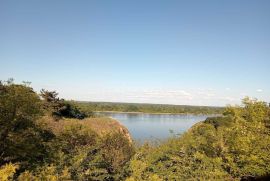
point(146, 108)
point(46, 138)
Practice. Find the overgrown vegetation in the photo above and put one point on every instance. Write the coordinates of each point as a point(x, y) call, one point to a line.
point(232, 147)
point(36, 145)
point(146, 108)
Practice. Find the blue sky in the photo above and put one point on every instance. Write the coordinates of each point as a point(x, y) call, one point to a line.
point(174, 52)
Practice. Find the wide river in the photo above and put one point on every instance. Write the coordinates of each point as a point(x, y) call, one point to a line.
point(155, 126)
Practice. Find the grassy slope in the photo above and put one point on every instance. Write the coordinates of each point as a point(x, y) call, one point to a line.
point(101, 126)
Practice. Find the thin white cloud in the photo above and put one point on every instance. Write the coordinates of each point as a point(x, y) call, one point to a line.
point(158, 96)
point(243, 94)
point(205, 93)
point(166, 94)
point(259, 90)
point(231, 99)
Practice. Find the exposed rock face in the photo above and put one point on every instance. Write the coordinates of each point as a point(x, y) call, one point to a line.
point(123, 130)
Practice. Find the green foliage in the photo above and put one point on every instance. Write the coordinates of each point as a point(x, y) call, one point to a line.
point(69, 150)
point(7, 171)
point(146, 108)
point(22, 139)
point(225, 121)
point(59, 107)
point(221, 148)
point(46, 173)
point(116, 151)
point(230, 147)
point(75, 136)
point(89, 156)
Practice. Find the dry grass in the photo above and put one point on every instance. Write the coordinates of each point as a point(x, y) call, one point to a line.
point(101, 126)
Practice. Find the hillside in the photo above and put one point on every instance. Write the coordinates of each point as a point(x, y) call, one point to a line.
point(44, 138)
point(233, 147)
point(101, 126)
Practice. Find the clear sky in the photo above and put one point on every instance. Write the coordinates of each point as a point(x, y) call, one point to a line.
point(155, 51)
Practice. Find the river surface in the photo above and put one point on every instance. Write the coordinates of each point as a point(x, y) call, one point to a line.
point(155, 126)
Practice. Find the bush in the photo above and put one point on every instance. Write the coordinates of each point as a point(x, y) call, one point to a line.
point(232, 147)
point(7, 171)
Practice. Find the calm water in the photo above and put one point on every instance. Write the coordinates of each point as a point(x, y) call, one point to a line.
point(157, 126)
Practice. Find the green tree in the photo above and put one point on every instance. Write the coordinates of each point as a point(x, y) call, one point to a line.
point(59, 107)
point(22, 139)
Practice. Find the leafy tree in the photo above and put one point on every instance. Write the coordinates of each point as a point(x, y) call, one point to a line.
point(22, 139)
point(59, 107)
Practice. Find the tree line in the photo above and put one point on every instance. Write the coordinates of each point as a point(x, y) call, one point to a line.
point(91, 107)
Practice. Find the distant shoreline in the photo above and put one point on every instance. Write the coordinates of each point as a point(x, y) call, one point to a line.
point(122, 112)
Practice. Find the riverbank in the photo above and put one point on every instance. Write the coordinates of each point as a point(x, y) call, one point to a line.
point(154, 126)
point(145, 108)
point(156, 113)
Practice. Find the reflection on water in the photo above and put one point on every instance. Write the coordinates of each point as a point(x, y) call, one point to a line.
point(159, 126)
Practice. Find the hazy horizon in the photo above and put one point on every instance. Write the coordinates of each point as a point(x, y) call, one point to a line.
point(210, 53)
